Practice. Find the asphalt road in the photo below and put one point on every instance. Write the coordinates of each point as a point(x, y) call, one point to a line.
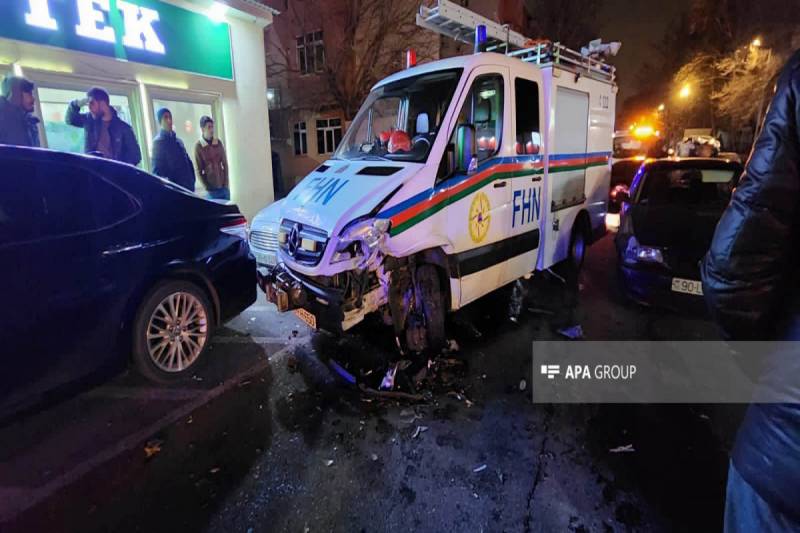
point(265, 437)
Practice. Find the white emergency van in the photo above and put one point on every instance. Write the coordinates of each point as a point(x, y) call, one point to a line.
point(456, 177)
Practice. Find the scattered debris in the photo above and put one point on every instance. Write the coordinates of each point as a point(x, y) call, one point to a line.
point(291, 363)
point(329, 462)
point(418, 431)
point(628, 448)
point(244, 383)
point(705, 417)
point(152, 447)
point(388, 379)
point(374, 456)
point(197, 378)
point(404, 364)
point(214, 470)
point(395, 395)
point(190, 420)
point(523, 385)
point(541, 311)
point(294, 333)
point(479, 469)
point(573, 332)
point(518, 293)
point(452, 346)
point(339, 369)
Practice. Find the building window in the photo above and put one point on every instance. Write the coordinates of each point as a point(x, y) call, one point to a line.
point(273, 98)
point(310, 53)
point(300, 139)
point(329, 135)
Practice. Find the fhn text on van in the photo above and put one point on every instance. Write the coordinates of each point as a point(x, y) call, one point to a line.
point(92, 14)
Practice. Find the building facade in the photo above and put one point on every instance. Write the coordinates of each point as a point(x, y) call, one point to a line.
point(195, 57)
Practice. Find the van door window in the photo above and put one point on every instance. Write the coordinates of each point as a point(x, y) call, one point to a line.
point(483, 108)
point(528, 132)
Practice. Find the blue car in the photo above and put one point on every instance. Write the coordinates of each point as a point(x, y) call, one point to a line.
point(666, 226)
point(102, 264)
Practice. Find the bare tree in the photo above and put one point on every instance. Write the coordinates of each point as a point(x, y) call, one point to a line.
point(573, 23)
point(365, 40)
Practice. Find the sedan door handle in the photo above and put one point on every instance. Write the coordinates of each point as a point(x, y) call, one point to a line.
point(500, 184)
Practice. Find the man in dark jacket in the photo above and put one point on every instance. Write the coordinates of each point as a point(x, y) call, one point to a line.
point(170, 159)
point(18, 126)
point(751, 281)
point(105, 133)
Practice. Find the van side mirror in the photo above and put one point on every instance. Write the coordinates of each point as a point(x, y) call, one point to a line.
point(466, 148)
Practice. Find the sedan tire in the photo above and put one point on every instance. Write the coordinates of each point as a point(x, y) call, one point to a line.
point(171, 331)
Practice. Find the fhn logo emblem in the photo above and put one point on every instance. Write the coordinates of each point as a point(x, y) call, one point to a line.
point(551, 371)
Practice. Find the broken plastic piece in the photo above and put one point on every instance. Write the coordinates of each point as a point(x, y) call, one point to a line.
point(628, 448)
point(350, 378)
point(388, 379)
point(574, 332)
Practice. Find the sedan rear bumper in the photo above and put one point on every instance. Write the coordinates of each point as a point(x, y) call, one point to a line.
point(654, 287)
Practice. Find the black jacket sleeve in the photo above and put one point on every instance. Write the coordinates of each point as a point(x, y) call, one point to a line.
point(131, 153)
point(160, 161)
point(745, 273)
point(74, 117)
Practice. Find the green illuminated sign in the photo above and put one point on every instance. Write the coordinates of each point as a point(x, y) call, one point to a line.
point(142, 31)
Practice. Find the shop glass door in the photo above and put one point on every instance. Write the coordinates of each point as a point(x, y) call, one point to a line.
point(58, 134)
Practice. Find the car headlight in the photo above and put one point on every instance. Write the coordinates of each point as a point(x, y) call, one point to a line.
point(361, 240)
point(638, 253)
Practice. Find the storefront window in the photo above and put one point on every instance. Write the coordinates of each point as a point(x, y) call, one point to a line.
point(61, 136)
point(186, 120)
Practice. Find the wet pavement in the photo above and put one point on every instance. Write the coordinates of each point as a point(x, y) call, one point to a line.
point(266, 437)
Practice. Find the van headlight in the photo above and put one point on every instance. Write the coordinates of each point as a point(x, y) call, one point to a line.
point(361, 240)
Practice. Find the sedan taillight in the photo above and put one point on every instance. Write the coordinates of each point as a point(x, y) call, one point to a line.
point(235, 226)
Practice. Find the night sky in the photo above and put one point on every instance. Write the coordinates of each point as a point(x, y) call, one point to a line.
point(640, 25)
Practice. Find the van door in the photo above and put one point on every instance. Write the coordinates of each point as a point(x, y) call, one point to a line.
point(566, 170)
point(478, 210)
point(526, 190)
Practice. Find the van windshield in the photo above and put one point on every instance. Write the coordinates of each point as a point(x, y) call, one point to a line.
point(399, 121)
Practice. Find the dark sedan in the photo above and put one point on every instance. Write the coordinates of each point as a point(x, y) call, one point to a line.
point(100, 263)
point(666, 226)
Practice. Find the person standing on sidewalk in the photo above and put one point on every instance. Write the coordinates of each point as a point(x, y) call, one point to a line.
point(752, 288)
point(170, 159)
point(212, 163)
point(105, 134)
point(18, 126)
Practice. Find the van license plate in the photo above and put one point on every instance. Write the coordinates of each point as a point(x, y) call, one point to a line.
point(309, 319)
point(687, 286)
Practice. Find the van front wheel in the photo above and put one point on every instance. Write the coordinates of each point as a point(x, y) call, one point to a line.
point(433, 305)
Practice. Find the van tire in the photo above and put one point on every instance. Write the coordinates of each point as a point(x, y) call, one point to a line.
point(433, 305)
point(578, 242)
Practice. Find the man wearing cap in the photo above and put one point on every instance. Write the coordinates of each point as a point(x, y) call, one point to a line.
point(18, 126)
point(170, 159)
point(212, 163)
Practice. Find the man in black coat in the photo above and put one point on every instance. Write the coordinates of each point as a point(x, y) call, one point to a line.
point(105, 134)
point(751, 280)
point(18, 126)
point(170, 159)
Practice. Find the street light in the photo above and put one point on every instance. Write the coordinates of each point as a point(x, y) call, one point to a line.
point(685, 92)
point(756, 42)
point(661, 108)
